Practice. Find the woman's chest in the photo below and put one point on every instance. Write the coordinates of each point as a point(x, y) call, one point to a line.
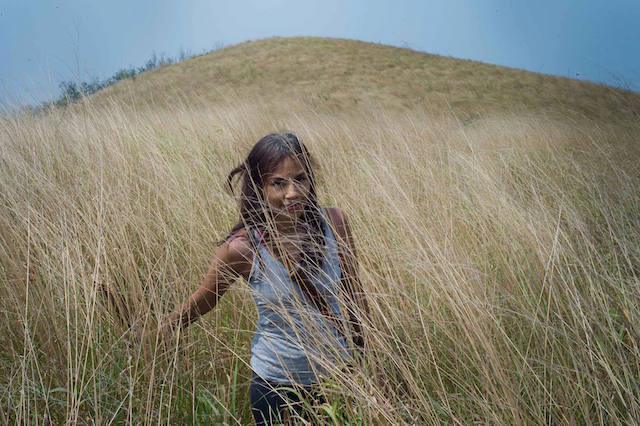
point(287, 250)
point(273, 283)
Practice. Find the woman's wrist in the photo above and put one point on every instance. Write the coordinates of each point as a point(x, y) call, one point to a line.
point(174, 321)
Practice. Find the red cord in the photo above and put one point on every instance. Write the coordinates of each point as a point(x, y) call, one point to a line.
point(261, 238)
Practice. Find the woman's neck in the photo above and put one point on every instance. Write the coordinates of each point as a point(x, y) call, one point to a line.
point(286, 228)
point(289, 227)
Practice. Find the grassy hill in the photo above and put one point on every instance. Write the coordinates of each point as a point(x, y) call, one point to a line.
point(495, 212)
point(334, 74)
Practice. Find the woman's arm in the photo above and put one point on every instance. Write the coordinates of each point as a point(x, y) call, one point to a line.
point(350, 280)
point(232, 260)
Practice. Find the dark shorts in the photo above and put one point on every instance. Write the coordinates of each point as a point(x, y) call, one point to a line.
point(275, 402)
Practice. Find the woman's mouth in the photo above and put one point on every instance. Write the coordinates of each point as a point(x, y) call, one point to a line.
point(294, 207)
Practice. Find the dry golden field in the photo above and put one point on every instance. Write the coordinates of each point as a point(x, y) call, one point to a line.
point(496, 215)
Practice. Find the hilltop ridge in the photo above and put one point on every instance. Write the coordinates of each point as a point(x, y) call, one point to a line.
point(338, 74)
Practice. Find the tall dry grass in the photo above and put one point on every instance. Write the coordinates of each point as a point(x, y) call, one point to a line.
point(501, 259)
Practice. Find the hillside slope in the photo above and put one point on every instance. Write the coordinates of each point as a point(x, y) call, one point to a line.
point(333, 74)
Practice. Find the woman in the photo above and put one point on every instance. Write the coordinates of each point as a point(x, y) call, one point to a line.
point(299, 261)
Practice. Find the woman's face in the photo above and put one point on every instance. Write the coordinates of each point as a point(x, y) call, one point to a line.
point(286, 189)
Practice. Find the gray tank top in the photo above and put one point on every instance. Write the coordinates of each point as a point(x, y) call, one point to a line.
point(293, 340)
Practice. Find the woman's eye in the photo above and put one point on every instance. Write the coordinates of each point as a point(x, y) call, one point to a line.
point(283, 183)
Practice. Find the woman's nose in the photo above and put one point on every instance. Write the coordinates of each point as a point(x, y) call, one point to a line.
point(292, 190)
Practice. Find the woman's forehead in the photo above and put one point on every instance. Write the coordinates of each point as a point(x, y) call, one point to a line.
point(287, 168)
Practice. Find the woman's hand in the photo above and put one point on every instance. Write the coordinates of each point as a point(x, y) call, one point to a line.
point(168, 335)
point(358, 309)
point(155, 339)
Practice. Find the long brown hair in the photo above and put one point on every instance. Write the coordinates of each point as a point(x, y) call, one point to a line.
point(263, 158)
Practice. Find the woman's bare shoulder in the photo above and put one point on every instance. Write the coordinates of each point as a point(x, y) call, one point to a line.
point(236, 253)
point(338, 219)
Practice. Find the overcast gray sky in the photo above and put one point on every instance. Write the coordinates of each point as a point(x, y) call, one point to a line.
point(45, 42)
